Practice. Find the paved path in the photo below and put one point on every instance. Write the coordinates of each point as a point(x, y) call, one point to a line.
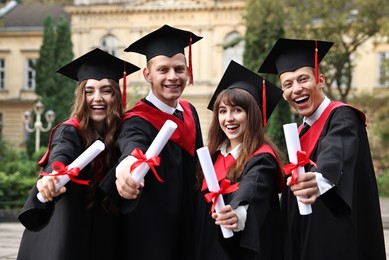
point(10, 234)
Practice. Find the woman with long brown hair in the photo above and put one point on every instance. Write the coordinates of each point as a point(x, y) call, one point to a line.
point(75, 222)
point(243, 154)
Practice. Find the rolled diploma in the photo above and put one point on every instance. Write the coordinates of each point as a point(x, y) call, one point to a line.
point(81, 161)
point(155, 148)
point(213, 184)
point(293, 145)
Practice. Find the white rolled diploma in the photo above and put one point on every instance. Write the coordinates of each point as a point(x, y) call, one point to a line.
point(213, 184)
point(80, 162)
point(293, 145)
point(155, 148)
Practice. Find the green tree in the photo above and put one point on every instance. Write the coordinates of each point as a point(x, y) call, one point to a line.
point(63, 86)
point(44, 66)
point(44, 76)
point(348, 23)
point(264, 25)
point(56, 92)
point(376, 108)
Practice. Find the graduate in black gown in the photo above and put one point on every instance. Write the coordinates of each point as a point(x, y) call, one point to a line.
point(241, 152)
point(158, 216)
point(341, 186)
point(76, 222)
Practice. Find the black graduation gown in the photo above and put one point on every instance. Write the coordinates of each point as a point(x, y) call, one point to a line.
point(64, 229)
point(346, 221)
point(261, 238)
point(159, 224)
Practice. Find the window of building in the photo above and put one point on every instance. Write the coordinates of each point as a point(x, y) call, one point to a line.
point(30, 75)
point(110, 44)
point(383, 77)
point(2, 74)
point(233, 49)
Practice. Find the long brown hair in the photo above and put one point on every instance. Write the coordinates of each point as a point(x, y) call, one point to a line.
point(112, 121)
point(253, 136)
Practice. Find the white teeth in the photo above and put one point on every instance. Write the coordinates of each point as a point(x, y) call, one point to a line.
point(98, 107)
point(300, 99)
point(175, 86)
point(232, 126)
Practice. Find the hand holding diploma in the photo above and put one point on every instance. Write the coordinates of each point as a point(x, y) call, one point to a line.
point(65, 174)
point(138, 164)
point(144, 162)
point(216, 192)
point(297, 159)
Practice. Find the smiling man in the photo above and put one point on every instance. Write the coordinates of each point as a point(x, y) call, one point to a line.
point(158, 220)
point(345, 222)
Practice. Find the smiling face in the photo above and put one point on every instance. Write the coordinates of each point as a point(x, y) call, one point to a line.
point(167, 77)
point(99, 99)
point(232, 120)
point(301, 91)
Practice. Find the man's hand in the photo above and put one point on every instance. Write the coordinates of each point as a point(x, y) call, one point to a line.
point(305, 187)
point(125, 184)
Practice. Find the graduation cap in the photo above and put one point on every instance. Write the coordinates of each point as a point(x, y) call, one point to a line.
point(98, 64)
point(265, 93)
point(291, 54)
point(167, 41)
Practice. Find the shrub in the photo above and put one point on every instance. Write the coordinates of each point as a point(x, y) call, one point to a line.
point(383, 184)
point(17, 175)
point(14, 189)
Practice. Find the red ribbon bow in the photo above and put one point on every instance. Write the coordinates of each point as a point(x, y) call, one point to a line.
point(225, 188)
point(63, 170)
point(154, 161)
point(302, 160)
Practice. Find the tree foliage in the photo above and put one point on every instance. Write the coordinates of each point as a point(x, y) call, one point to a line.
point(63, 54)
point(348, 23)
point(376, 109)
point(17, 175)
point(55, 91)
point(44, 65)
point(264, 26)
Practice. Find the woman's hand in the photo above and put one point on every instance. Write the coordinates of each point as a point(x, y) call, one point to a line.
point(46, 186)
point(226, 217)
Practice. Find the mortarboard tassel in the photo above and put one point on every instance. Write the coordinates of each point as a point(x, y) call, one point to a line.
point(264, 102)
point(190, 69)
point(316, 63)
point(124, 95)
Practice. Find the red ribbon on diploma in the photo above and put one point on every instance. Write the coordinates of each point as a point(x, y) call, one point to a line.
point(225, 188)
point(154, 161)
point(63, 170)
point(302, 160)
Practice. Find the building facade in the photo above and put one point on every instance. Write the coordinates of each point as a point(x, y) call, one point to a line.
point(21, 31)
point(113, 24)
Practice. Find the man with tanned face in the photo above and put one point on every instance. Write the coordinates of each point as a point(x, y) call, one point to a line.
point(346, 221)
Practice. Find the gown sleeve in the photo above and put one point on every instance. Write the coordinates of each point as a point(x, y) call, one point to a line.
point(336, 157)
point(258, 189)
point(133, 134)
point(65, 147)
